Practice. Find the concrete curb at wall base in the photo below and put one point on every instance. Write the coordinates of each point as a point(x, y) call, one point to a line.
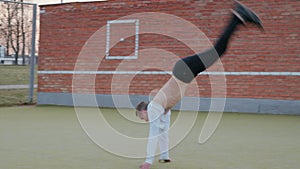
point(260, 106)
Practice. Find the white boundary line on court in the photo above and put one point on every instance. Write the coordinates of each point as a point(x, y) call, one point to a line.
point(169, 72)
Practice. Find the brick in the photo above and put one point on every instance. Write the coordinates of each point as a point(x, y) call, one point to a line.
point(65, 29)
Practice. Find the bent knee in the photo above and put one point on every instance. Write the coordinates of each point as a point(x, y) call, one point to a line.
point(183, 72)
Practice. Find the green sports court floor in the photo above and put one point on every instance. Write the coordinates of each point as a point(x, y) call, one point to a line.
point(49, 137)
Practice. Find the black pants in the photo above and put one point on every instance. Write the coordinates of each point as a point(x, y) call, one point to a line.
point(188, 68)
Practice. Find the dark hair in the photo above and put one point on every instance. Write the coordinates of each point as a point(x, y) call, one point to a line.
point(141, 106)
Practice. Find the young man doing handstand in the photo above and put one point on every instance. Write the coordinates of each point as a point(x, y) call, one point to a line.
point(184, 71)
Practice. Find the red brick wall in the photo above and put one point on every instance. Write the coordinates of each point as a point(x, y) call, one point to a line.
point(65, 29)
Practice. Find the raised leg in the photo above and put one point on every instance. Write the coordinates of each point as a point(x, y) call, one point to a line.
point(188, 68)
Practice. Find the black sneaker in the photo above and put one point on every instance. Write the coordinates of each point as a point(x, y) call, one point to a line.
point(164, 160)
point(247, 15)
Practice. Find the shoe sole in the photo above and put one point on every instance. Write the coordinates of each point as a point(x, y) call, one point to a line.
point(250, 13)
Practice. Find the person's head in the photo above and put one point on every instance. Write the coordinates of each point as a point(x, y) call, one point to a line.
point(141, 111)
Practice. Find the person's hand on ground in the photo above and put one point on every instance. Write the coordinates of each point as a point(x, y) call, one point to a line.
point(145, 166)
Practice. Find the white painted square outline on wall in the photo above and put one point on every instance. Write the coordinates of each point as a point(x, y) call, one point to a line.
point(136, 48)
